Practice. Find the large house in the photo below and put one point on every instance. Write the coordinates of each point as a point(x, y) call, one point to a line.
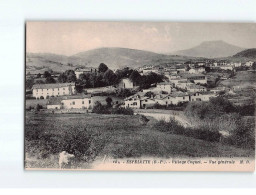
point(165, 86)
point(43, 91)
point(79, 71)
point(77, 102)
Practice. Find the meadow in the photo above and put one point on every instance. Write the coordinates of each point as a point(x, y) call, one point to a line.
point(111, 136)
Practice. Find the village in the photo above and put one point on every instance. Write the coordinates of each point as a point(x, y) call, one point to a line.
point(180, 83)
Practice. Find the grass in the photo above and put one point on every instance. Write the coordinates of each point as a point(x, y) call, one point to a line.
point(34, 102)
point(123, 137)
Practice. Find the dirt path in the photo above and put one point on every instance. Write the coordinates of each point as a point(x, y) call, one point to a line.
point(165, 115)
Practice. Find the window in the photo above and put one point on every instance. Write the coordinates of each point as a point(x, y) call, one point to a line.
point(73, 103)
point(58, 89)
point(63, 88)
point(82, 102)
point(146, 100)
point(89, 101)
point(183, 98)
point(53, 89)
point(63, 93)
point(37, 90)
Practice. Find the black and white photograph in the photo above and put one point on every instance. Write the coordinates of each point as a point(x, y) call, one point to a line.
point(139, 96)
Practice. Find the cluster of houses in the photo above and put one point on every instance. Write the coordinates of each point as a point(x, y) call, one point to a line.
point(183, 88)
point(192, 67)
point(183, 83)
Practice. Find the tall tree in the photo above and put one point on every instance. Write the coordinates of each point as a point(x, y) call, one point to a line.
point(135, 77)
point(109, 77)
point(102, 68)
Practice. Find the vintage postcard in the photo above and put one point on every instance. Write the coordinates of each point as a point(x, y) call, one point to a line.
point(140, 96)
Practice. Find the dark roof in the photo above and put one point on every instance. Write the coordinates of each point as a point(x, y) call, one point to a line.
point(54, 101)
point(52, 85)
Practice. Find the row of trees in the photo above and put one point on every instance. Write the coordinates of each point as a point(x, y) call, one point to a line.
point(103, 77)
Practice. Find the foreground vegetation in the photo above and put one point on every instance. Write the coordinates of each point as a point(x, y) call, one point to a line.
point(121, 136)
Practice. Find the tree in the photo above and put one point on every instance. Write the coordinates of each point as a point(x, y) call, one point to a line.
point(38, 75)
point(109, 77)
point(135, 77)
point(102, 68)
point(29, 83)
point(109, 101)
point(50, 79)
point(254, 66)
point(47, 74)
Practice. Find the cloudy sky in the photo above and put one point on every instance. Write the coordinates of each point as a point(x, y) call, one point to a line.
point(69, 38)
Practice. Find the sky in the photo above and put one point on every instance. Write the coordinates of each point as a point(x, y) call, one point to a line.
point(69, 38)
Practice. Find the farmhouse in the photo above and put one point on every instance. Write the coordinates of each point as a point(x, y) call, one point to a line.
point(165, 86)
point(195, 88)
point(249, 63)
point(126, 84)
point(77, 102)
point(79, 71)
point(201, 96)
point(197, 70)
point(57, 89)
point(196, 78)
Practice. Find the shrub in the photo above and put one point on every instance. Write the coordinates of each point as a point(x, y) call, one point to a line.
point(100, 109)
point(199, 133)
point(39, 107)
point(120, 110)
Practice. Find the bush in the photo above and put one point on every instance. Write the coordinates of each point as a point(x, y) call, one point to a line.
point(39, 107)
point(84, 144)
point(100, 109)
point(120, 110)
point(199, 133)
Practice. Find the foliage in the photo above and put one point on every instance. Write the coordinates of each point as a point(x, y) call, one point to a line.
point(47, 74)
point(102, 68)
point(109, 77)
point(109, 101)
point(67, 77)
point(173, 127)
point(39, 107)
point(50, 79)
point(123, 93)
point(135, 77)
point(29, 83)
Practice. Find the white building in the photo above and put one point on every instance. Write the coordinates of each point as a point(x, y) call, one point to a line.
point(197, 70)
point(78, 72)
point(126, 84)
point(165, 86)
point(228, 67)
point(77, 103)
point(249, 63)
point(50, 90)
point(195, 88)
point(202, 96)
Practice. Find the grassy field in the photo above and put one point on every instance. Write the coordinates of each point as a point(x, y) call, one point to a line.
point(120, 136)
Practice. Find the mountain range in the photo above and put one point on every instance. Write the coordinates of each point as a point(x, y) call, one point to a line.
point(211, 49)
point(116, 58)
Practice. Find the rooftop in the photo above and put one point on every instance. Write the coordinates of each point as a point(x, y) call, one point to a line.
point(52, 85)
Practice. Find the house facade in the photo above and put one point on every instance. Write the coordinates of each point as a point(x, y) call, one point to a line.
point(77, 103)
point(44, 91)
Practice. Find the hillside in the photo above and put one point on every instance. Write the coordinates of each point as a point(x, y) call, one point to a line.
point(211, 49)
point(248, 53)
point(113, 57)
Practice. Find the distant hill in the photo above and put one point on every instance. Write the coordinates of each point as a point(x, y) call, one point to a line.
point(248, 53)
point(113, 57)
point(211, 49)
